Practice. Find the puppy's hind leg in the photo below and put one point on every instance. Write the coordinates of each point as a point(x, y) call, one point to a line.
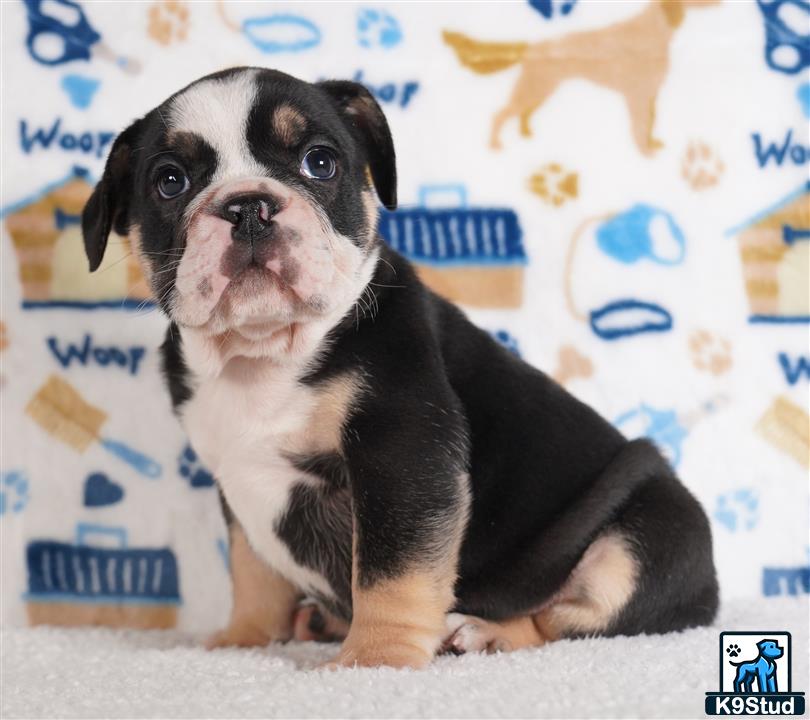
point(472, 634)
point(596, 591)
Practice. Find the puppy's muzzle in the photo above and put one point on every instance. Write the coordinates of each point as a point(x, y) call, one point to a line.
point(251, 216)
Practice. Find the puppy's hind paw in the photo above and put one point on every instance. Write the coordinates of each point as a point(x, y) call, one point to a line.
point(471, 635)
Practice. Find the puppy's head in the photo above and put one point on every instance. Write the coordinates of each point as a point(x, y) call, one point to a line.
point(249, 198)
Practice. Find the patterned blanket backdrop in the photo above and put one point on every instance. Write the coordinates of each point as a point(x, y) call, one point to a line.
point(616, 189)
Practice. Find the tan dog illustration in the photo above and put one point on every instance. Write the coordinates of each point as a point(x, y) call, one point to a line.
point(630, 57)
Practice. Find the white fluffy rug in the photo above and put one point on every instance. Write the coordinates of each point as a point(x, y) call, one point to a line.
point(52, 672)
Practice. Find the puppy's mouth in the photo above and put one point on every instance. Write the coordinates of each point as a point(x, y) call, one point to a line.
point(257, 301)
point(254, 279)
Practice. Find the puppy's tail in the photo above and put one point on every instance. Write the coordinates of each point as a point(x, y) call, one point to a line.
point(484, 57)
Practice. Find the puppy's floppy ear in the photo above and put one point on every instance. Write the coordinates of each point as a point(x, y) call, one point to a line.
point(108, 206)
point(366, 120)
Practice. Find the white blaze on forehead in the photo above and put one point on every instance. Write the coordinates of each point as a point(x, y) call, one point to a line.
point(217, 110)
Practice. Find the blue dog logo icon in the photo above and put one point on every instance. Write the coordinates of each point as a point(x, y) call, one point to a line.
point(755, 675)
point(762, 669)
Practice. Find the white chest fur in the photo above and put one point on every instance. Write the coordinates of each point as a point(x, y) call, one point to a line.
point(244, 424)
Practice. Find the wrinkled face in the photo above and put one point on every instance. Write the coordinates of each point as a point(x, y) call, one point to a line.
point(248, 198)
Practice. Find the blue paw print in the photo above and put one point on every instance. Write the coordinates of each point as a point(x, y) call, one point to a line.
point(190, 468)
point(738, 510)
point(377, 28)
point(13, 492)
point(508, 340)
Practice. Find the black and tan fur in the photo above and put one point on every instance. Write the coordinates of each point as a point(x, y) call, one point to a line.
point(450, 496)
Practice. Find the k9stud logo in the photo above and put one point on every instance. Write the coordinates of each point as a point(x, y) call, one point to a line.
point(755, 676)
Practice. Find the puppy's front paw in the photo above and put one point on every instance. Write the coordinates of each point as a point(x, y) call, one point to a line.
point(397, 655)
point(245, 635)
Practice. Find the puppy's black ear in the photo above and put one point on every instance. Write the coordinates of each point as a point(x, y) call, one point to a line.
point(366, 120)
point(108, 206)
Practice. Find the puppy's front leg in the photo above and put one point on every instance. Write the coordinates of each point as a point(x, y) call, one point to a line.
point(399, 622)
point(263, 601)
point(410, 511)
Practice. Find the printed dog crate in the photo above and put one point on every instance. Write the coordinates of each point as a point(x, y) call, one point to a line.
point(472, 256)
point(45, 230)
point(775, 253)
point(118, 587)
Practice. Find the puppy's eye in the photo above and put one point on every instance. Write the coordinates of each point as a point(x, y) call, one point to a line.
point(171, 182)
point(319, 163)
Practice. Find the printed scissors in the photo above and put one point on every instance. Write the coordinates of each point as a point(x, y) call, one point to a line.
point(59, 32)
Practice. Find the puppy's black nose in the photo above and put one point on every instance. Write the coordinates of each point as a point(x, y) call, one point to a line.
point(250, 215)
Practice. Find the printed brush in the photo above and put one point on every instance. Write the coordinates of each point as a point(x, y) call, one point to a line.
point(60, 410)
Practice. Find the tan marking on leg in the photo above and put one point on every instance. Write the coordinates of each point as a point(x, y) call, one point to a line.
point(598, 588)
point(398, 622)
point(263, 601)
point(288, 124)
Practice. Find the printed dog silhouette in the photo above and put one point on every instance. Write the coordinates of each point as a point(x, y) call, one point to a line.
point(630, 57)
point(762, 669)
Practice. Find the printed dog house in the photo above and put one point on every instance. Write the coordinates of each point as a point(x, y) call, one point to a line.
point(775, 253)
point(85, 585)
point(46, 233)
point(472, 256)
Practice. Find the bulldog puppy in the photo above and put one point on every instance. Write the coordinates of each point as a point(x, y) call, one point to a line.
point(373, 448)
